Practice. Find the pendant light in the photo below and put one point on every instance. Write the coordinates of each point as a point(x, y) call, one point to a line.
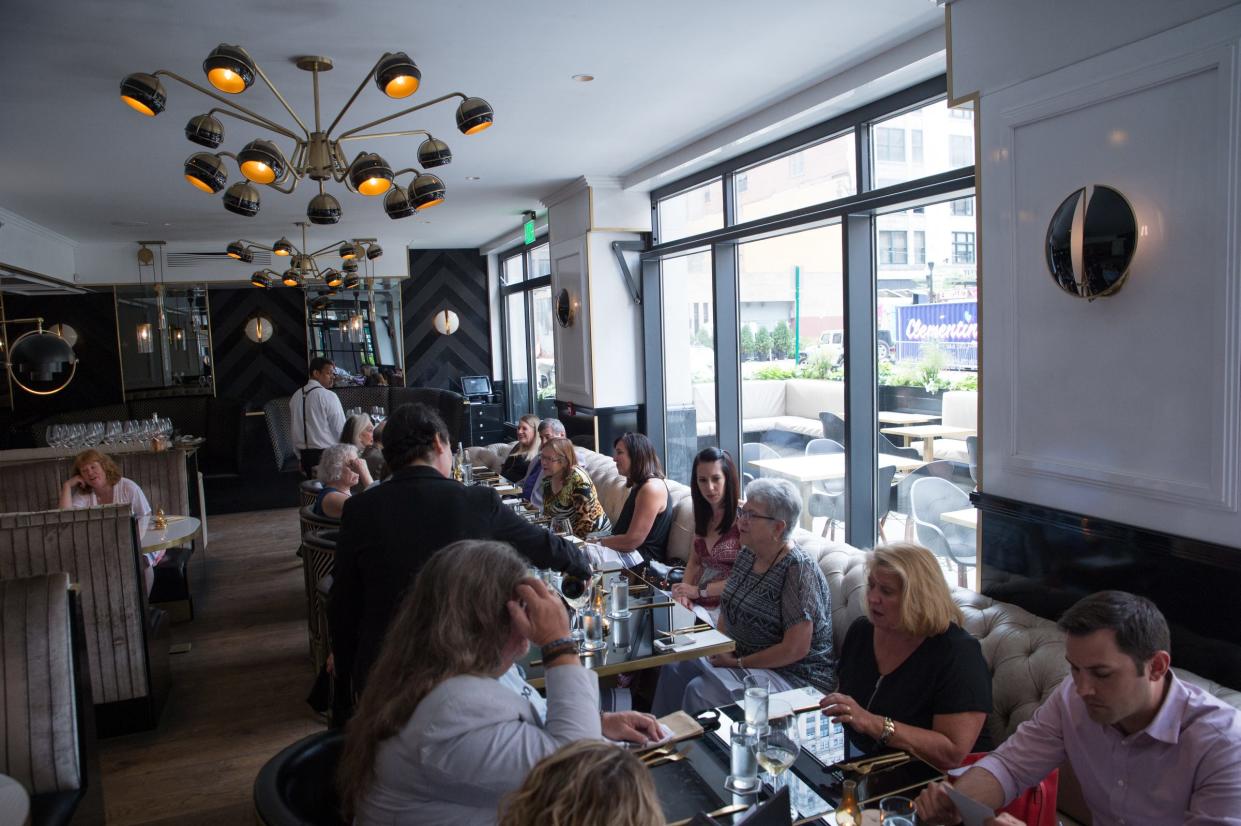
point(144, 333)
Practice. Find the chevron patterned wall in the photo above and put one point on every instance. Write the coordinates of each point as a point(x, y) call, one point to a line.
point(256, 373)
point(438, 280)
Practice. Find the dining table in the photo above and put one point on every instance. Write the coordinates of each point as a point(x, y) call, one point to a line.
point(928, 433)
point(178, 530)
point(804, 471)
point(899, 418)
point(966, 517)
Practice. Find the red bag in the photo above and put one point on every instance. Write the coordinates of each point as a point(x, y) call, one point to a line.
point(1034, 807)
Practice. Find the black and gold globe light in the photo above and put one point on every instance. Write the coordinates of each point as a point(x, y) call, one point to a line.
point(282, 247)
point(373, 251)
point(474, 115)
point(323, 209)
point(291, 278)
point(303, 268)
point(39, 361)
point(206, 172)
point(397, 203)
point(349, 251)
point(259, 279)
point(426, 191)
point(261, 162)
point(353, 281)
point(238, 251)
point(333, 278)
point(350, 266)
point(314, 152)
point(397, 76)
point(229, 69)
point(205, 130)
point(370, 174)
point(434, 152)
point(243, 199)
point(145, 93)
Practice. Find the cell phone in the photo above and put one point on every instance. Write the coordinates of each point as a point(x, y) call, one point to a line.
point(671, 643)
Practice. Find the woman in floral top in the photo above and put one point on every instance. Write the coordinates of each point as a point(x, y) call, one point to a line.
point(716, 539)
point(568, 491)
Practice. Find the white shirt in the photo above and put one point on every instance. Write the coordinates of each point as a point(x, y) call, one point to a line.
point(325, 417)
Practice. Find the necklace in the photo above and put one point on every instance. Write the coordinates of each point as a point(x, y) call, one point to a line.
point(742, 601)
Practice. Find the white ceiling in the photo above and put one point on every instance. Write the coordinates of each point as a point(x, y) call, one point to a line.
point(668, 72)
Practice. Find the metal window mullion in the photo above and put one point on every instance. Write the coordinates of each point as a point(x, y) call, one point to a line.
point(653, 355)
point(862, 158)
point(532, 378)
point(727, 312)
point(860, 377)
point(730, 207)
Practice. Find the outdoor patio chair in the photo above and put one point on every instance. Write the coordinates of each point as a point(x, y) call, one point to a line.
point(827, 497)
point(931, 497)
point(749, 452)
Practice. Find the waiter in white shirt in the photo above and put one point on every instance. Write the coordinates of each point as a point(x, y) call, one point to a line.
point(316, 413)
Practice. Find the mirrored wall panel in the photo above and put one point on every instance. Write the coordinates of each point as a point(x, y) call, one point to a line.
point(165, 340)
point(360, 330)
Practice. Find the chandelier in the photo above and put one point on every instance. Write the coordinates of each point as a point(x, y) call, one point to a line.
point(318, 154)
point(304, 265)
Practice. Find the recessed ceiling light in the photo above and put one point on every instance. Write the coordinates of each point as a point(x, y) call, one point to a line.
point(129, 224)
point(583, 78)
point(472, 178)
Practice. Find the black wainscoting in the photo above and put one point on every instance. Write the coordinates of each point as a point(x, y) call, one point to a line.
point(609, 423)
point(445, 279)
point(1045, 559)
point(256, 373)
point(98, 378)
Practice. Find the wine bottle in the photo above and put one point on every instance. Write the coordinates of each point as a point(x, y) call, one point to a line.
point(849, 813)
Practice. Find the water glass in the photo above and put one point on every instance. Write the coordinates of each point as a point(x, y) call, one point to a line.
point(467, 473)
point(562, 526)
point(896, 811)
point(592, 630)
point(754, 701)
point(743, 760)
point(619, 587)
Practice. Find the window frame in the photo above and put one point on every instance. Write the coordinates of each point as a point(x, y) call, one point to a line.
point(527, 285)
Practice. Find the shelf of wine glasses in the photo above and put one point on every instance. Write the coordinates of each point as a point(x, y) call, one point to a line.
point(35, 454)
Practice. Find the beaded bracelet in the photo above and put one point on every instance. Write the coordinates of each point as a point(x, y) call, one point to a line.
point(557, 648)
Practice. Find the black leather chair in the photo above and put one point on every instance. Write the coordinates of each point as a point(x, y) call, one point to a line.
point(280, 429)
point(451, 407)
point(297, 787)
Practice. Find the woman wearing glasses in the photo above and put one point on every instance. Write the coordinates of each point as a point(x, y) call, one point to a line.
point(568, 491)
point(775, 606)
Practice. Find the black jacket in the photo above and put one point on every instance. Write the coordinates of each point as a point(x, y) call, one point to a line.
point(390, 530)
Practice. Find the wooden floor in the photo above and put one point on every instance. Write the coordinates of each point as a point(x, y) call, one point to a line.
point(238, 696)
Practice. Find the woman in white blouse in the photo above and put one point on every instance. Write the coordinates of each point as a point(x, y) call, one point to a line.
point(96, 480)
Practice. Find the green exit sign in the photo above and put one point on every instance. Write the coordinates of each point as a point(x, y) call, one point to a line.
point(528, 229)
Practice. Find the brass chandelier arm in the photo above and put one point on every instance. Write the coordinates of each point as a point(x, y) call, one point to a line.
point(269, 124)
point(216, 110)
point(366, 79)
point(279, 97)
point(401, 113)
point(406, 133)
point(329, 247)
point(407, 169)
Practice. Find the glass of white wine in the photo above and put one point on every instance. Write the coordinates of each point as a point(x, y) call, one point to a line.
point(778, 744)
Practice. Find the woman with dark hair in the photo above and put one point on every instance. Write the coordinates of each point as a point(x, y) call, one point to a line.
point(714, 492)
point(641, 532)
point(568, 491)
point(440, 737)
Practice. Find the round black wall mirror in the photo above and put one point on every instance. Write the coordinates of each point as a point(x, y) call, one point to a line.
point(564, 309)
point(1090, 242)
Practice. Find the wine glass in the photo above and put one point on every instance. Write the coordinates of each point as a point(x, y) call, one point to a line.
point(578, 593)
point(778, 743)
point(896, 811)
point(113, 433)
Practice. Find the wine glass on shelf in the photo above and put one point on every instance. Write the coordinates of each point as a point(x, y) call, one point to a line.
point(778, 743)
point(113, 433)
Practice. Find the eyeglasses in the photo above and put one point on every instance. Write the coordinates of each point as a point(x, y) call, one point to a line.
point(742, 513)
point(547, 460)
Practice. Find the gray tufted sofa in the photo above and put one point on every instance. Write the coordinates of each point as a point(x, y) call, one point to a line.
point(1024, 652)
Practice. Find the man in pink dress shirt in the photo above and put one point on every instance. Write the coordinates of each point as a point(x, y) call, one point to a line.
point(1146, 747)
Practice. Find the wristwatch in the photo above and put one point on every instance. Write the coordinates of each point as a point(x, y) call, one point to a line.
point(889, 728)
point(702, 593)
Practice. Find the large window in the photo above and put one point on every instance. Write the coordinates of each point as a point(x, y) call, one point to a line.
point(529, 349)
point(840, 279)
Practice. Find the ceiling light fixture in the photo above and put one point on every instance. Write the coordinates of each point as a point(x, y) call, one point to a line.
point(317, 154)
point(583, 78)
point(303, 266)
point(40, 362)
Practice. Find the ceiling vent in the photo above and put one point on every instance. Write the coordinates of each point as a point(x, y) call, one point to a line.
point(262, 258)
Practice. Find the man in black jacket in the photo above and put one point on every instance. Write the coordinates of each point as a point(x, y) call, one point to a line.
point(388, 532)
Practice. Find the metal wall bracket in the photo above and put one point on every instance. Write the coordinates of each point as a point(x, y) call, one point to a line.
point(618, 249)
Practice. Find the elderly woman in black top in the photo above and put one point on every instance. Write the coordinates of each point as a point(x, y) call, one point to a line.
point(911, 677)
point(640, 533)
point(775, 605)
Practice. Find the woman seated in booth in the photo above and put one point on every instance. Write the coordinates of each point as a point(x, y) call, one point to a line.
point(340, 470)
point(911, 676)
point(524, 450)
point(361, 432)
point(568, 491)
point(96, 480)
point(444, 728)
point(641, 531)
point(717, 540)
point(776, 607)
